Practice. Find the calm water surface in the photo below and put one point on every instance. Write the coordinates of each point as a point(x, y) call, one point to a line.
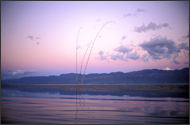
point(19, 106)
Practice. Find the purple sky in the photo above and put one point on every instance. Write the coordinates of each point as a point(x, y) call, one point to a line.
point(39, 38)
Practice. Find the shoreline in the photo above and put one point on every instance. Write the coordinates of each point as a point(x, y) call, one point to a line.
point(179, 91)
point(100, 87)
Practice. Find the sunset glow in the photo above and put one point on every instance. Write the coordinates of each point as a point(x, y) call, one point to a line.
point(39, 37)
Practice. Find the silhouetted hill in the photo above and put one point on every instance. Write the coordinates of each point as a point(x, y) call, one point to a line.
point(143, 76)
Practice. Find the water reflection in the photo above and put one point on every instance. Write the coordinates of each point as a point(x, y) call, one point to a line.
point(35, 107)
point(80, 101)
point(95, 111)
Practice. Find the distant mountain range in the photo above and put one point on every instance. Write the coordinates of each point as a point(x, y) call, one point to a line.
point(143, 76)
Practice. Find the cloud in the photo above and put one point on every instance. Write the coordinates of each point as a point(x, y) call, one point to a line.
point(145, 58)
point(150, 26)
point(186, 54)
point(30, 37)
point(187, 36)
point(184, 37)
point(10, 74)
point(134, 14)
point(102, 57)
point(124, 37)
point(123, 49)
point(126, 15)
point(18, 72)
point(133, 56)
point(118, 57)
point(183, 46)
point(160, 47)
point(141, 10)
point(186, 62)
point(174, 59)
point(123, 53)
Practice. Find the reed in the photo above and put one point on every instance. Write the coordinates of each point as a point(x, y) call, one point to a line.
point(76, 55)
point(83, 60)
point(92, 47)
point(76, 71)
point(81, 71)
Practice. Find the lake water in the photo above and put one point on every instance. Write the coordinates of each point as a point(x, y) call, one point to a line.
point(48, 106)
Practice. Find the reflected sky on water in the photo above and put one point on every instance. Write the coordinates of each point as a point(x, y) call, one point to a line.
point(45, 107)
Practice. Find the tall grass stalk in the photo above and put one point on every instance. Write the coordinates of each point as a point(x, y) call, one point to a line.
point(87, 59)
point(81, 70)
point(92, 47)
point(76, 71)
point(82, 62)
point(76, 55)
